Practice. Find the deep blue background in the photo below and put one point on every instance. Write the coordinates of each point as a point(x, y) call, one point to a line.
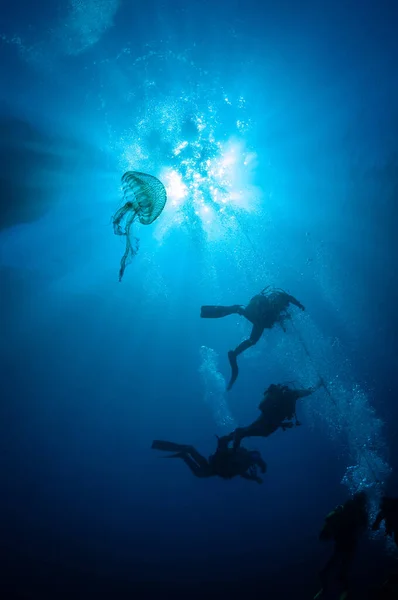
point(93, 370)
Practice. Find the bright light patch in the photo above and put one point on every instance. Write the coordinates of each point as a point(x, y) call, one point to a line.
point(175, 187)
point(210, 189)
point(208, 181)
point(200, 123)
point(179, 148)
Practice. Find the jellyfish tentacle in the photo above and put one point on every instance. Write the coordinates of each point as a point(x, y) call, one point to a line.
point(118, 218)
point(145, 199)
point(132, 247)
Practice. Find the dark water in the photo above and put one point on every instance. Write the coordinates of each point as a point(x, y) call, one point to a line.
point(274, 128)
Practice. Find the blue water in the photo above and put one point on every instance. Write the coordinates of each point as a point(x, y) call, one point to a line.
point(273, 127)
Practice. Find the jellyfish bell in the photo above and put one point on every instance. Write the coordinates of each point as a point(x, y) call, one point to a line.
point(145, 198)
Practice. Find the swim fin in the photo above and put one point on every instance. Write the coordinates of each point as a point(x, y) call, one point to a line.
point(168, 446)
point(234, 367)
point(177, 455)
point(217, 312)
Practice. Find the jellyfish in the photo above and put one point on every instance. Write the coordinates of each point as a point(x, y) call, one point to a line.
point(145, 198)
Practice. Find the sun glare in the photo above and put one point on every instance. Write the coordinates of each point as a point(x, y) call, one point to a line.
point(207, 177)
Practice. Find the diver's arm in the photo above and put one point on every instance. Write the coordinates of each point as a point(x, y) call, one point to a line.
point(294, 301)
point(262, 465)
point(311, 390)
point(286, 425)
point(252, 477)
point(304, 393)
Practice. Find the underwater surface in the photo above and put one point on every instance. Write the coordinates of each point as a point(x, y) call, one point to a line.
point(273, 129)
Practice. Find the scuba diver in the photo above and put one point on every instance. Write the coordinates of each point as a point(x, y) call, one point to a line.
point(263, 311)
point(344, 525)
point(278, 408)
point(225, 462)
point(389, 514)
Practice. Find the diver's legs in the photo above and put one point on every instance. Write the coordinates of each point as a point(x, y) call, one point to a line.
point(327, 572)
point(260, 462)
point(255, 335)
point(199, 468)
point(346, 559)
point(242, 347)
point(198, 457)
point(260, 428)
point(166, 446)
point(238, 435)
point(257, 332)
point(232, 357)
point(234, 369)
point(196, 462)
point(217, 312)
